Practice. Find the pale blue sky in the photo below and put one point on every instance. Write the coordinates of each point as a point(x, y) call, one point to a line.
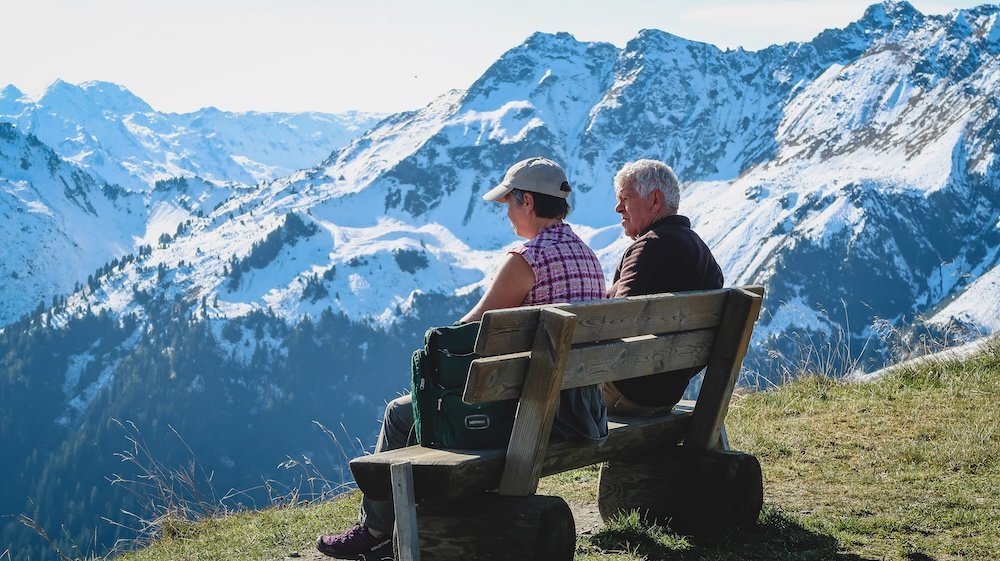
point(333, 55)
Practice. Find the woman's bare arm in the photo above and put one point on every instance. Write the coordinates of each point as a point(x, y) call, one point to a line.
point(510, 287)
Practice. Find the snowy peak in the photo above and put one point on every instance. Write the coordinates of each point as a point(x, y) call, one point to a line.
point(121, 139)
point(433, 164)
point(115, 98)
point(526, 67)
point(10, 93)
point(67, 99)
point(912, 98)
point(894, 22)
point(891, 15)
point(655, 40)
point(12, 101)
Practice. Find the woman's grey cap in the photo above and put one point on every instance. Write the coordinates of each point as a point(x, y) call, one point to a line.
point(538, 175)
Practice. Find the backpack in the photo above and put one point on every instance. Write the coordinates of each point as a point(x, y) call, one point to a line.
point(441, 418)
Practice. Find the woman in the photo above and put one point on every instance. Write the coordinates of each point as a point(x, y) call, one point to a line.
point(555, 265)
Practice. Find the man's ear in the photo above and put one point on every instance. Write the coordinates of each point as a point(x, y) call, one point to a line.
point(657, 200)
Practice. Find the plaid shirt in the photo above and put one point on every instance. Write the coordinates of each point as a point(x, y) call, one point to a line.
point(566, 270)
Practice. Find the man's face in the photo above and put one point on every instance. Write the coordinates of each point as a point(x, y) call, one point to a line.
point(637, 212)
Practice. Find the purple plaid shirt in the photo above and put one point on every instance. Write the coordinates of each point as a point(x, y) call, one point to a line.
point(566, 270)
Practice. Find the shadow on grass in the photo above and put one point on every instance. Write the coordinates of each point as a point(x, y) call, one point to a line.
point(777, 537)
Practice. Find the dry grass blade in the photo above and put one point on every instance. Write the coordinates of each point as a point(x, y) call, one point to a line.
point(30, 523)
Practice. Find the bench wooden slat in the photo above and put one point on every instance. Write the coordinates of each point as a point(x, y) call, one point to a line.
point(437, 474)
point(453, 474)
point(537, 406)
point(626, 437)
point(731, 344)
point(513, 330)
point(501, 377)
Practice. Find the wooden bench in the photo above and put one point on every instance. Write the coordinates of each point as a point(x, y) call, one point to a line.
point(668, 467)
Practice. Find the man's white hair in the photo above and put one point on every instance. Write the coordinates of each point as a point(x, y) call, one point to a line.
point(646, 175)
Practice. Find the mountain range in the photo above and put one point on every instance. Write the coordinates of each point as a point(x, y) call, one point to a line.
point(91, 173)
point(252, 272)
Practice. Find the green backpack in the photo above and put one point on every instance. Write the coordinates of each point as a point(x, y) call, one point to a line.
point(441, 418)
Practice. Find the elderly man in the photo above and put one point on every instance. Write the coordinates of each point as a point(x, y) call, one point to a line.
point(666, 256)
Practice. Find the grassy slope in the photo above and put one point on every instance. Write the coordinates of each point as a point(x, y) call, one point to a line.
point(903, 468)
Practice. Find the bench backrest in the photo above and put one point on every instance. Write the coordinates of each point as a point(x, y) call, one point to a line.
point(532, 353)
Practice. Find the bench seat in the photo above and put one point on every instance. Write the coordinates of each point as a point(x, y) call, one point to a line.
point(451, 474)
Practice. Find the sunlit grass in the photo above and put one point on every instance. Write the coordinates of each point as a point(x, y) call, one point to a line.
point(904, 468)
point(270, 534)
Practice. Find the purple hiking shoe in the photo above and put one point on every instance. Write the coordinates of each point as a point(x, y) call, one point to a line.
point(356, 543)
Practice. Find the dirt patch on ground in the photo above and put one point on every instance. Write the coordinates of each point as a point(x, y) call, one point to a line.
point(587, 517)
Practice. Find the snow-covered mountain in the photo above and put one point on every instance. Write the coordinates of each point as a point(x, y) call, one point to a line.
point(92, 173)
point(120, 139)
point(61, 223)
point(856, 176)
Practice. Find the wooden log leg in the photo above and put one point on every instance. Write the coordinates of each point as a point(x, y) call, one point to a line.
point(693, 492)
point(405, 510)
point(497, 528)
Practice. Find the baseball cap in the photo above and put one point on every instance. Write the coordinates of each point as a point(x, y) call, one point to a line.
point(538, 175)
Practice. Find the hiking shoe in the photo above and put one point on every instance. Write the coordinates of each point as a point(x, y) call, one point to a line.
point(356, 543)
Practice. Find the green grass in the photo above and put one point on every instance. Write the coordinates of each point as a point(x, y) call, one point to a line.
point(905, 468)
point(270, 534)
